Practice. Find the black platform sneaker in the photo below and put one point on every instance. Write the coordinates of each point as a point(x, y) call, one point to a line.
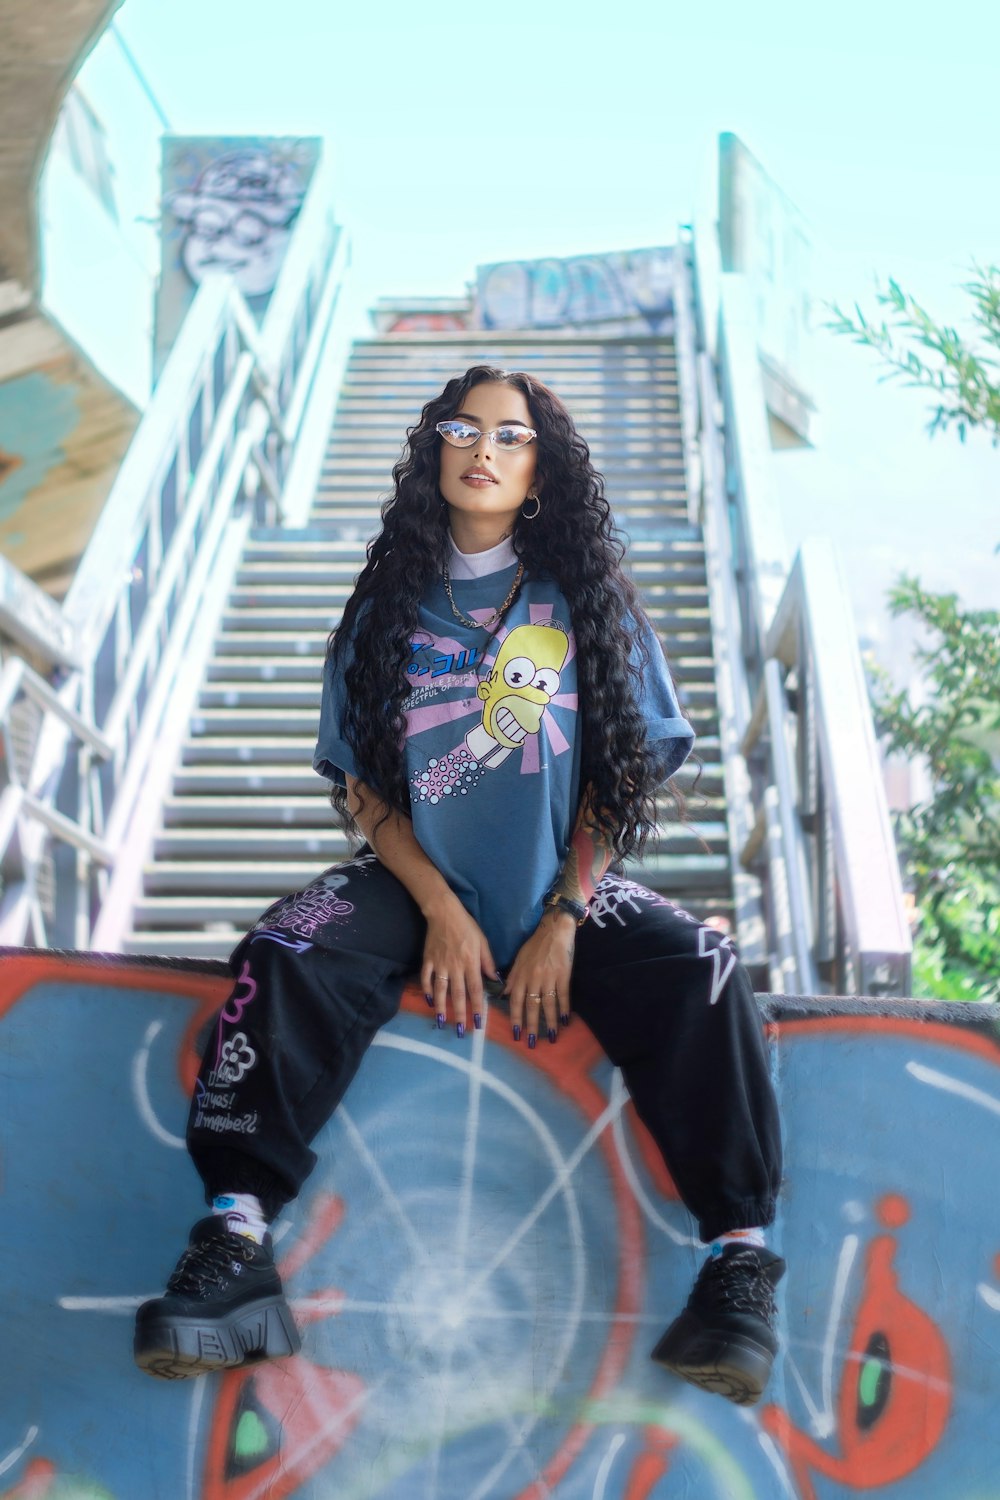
point(223, 1307)
point(724, 1339)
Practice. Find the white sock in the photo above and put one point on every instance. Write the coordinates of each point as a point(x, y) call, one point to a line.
point(737, 1237)
point(242, 1213)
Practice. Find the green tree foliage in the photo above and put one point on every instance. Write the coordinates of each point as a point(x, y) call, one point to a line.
point(969, 394)
point(949, 845)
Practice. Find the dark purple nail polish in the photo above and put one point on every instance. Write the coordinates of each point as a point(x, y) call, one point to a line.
point(429, 999)
point(517, 1033)
point(564, 1019)
point(532, 1039)
point(478, 1021)
point(440, 1021)
point(552, 1034)
point(460, 1030)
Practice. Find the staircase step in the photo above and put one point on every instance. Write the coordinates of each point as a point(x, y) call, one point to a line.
point(298, 776)
point(279, 597)
point(251, 708)
point(674, 839)
point(250, 811)
point(690, 643)
point(316, 839)
point(394, 408)
point(317, 619)
point(234, 913)
point(240, 669)
point(180, 941)
point(294, 780)
point(226, 918)
point(235, 723)
point(238, 845)
point(237, 750)
point(264, 879)
point(270, 643)
point(350, 471)
point(313, 573)
point(298, 779)
point(183, 944)
point(689, 653)
point(693, 872)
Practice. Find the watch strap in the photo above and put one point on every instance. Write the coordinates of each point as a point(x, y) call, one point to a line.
point(576, 909)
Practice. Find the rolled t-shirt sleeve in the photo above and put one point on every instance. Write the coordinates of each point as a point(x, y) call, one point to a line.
point(669, 733)
point(334, 757)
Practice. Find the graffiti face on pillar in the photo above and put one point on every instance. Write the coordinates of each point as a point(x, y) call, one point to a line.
point(229, 206)
point(238, 218)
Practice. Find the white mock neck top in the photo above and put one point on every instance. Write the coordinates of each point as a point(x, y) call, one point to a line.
point(464, 565)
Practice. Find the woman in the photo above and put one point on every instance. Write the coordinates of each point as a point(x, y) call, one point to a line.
point(497, 716)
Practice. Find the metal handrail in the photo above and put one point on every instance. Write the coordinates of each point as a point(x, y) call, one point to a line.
point(808, 820)
point(830, 783)
point(707, 506)
point(110, 669)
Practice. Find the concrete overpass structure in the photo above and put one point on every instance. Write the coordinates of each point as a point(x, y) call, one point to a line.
point(63, 428)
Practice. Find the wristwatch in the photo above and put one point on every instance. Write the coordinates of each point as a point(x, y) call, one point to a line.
point(559, 902)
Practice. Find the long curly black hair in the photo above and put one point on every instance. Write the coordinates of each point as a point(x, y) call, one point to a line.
point(574, 541)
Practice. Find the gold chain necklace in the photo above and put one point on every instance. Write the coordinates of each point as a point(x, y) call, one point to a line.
point(497, 614)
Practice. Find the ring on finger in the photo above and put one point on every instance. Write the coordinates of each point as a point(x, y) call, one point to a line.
point(553, 994)
point(535, 995)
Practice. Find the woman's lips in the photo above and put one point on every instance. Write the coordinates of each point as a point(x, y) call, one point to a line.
point(477, 482)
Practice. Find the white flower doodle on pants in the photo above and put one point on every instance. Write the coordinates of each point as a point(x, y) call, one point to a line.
point(236, 1058)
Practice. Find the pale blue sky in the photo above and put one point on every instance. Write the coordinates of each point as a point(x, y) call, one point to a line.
point(587, 128)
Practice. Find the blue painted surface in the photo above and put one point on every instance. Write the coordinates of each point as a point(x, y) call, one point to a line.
point(474, 1252)
point(37, 415)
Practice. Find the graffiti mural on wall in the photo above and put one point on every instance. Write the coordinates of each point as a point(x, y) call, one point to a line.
point(633, 288)
point(427, 323)
point(229, 205)
point(482, 1260)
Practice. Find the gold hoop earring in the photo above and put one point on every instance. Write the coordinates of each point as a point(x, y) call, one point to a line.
point(535, 512)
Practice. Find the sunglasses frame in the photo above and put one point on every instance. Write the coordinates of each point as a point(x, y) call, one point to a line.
point(481, 434)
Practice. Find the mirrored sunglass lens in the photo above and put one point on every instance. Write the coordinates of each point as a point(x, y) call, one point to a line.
point(459, 433)
point(512, 437)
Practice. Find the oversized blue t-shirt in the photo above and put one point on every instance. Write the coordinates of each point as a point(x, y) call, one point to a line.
point(492, 749)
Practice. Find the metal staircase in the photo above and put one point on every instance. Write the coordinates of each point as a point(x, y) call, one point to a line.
point(247, 819)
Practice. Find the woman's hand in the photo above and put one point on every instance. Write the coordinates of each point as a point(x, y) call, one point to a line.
point(456, 956)
point(538, 983)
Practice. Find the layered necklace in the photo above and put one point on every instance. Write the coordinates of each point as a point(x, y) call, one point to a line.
point(497, 614)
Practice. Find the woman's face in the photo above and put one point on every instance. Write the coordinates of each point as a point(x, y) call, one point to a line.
point(511, 471)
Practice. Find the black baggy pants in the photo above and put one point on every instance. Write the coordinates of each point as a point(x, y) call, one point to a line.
point(324, 968)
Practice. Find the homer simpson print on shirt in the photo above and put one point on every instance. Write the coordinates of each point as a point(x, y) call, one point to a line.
point(520, 686)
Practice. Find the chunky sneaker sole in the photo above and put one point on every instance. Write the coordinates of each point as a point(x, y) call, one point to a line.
point(175, 1348)
point(736, 1368)
point(724, 1341)
point(224, 1306)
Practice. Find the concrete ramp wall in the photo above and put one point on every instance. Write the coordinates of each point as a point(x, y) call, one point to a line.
point(485, 1256)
